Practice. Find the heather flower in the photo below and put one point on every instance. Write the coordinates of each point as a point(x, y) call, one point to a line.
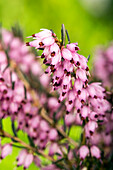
point(72, 47)
point(21, 157)
point(70, 77)
point(37, 161)
point(70, 119)
point(104, 71)
point(90, 127)
point(28, 160)
point(95, 152)
point(84, 102)
point(6, 150)
point(53, 134)
point(83, 152)
point(54, 148)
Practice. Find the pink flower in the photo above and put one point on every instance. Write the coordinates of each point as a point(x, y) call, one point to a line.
point(6, 150)
point(81, 74)
point(90, 127)
point(43, 34)
point(28, 160)
point(37, 161)
point(48, 41)
point(66, 54)
point(44, 125)
point(72, 47)
point(56, 59)
point(53, 149)
point(85, 112)
point(53, 134)
point(78, 84)
point(83, 62)
point(83, 152)
point(21, 157)
point(95, 152)
point(69, 119)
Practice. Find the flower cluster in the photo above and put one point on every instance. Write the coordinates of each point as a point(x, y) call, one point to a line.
point(84, 151)
point(17, 51)
point(26, 103)
point(103, 65)
point(17, 102)
point(103, 70)
point(70, 73)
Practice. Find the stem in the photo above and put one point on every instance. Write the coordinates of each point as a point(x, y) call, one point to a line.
point(5, 134)
point(13, 128)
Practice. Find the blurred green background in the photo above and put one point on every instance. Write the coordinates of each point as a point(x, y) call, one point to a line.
point(89, 22)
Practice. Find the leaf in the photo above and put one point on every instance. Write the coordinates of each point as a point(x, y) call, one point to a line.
point(63, 34)
point(14, 130)
point(59, 160)
point(64, 125)
point(13, 85)
point(68, 37)
point(25, 93)
point(31, 141)
point(58, 154)
point(88, 57)
point(69, 148)
point(1, 125)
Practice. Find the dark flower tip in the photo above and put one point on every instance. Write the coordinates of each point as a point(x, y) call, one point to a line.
point(27, 44)
point(67, 112)
point(33, 35)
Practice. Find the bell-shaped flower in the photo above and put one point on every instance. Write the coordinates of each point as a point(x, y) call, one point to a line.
point(48, 41)
point(66, 54)
point(6, 150)
point(56, 59)
point(81, 74)
point(95, 152)
point(83, 152)
point(91, 126)
point(21, 157)
point(83, 62)
point(53, 134)
point(69, 119)
point(28, 160)
point(67, 66)
point(84, 112)
point(44, 125)
point(72, 47)
point(53, 149)
point(36, 43)
point(43, 34)
point(78, 84)
point(37, 161)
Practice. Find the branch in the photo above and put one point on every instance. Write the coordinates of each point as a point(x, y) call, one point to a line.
point(35, 150)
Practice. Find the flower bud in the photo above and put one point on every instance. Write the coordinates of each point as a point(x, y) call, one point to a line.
point(95, 152)
point(28, 160)
point(6, 150)
point(83, 152)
